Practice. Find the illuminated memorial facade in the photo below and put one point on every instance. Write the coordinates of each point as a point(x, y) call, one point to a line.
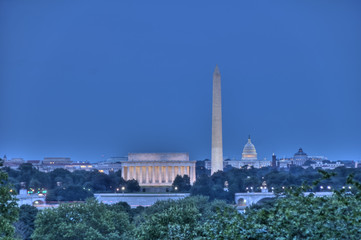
point(158, 169)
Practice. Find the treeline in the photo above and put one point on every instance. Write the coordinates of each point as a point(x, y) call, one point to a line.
point(223, 185)
point(62, 185)
point(290, 216)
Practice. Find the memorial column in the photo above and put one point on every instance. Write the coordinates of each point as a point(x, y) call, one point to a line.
point(153, 174)
point(173, 177)
point(166, 174)
point(191, 174)
point(160, 174)
point(140, 174)
point(147, 174)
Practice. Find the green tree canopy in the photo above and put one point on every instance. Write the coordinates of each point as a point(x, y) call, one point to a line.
point(8, 207)
point(25, 225)
point(81, 221)
point(293, 216)
point(176, 219)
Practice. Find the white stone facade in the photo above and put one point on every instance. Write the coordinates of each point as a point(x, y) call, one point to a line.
point(158, 169)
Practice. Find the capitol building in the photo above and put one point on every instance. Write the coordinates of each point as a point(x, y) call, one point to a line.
point(249, 158)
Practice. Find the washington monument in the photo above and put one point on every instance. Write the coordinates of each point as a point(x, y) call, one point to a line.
point(217, 147)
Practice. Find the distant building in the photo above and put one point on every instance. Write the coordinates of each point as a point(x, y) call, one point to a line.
point(107, 167)
point(14, 163)
point(51, 163)
point(299, 158)
point(116, 159)
point(157, 169)
point(208, 164)
point(327, 165)
point(56, 161)
point(249, 158)
point(36, 163)
point(274, 161)
point(284, 163)
point(249, 151)
point(79, 166)
point(201, 167)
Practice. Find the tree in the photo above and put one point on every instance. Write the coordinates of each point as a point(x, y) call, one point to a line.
point(203, 186)
point(71, 193)
point(176, 219)
point(24, 227)
point(27, 171)
point(293, 216)
point(8, 207)
point(213, 187)
point(132, 186)
point(181, 183)
point(175, 222)
point(82, 221)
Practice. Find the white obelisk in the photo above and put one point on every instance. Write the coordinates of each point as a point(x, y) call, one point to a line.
point(217, 146)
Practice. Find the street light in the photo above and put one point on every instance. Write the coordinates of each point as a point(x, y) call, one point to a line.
point(123, 189)
point(176, 188)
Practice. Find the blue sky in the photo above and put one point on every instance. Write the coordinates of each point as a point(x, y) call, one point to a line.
point(95, 79)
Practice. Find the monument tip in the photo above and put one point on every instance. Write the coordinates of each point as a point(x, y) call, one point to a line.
point(216, 69)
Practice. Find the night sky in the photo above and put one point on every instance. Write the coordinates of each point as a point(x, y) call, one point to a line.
point(95, 79)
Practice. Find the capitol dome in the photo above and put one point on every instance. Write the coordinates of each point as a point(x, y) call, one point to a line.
point(249, 151)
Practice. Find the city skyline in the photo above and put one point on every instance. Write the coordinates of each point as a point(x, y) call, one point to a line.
point(121, 78)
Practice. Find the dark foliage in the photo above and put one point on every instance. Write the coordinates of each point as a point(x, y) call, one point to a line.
point(181, 184)
point(24, 227)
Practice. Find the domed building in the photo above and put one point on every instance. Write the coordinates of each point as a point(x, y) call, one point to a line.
point(249, 151)
point(300, 157)
point(249, 158)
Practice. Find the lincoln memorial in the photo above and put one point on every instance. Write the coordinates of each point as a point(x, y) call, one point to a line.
point(158, 169)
